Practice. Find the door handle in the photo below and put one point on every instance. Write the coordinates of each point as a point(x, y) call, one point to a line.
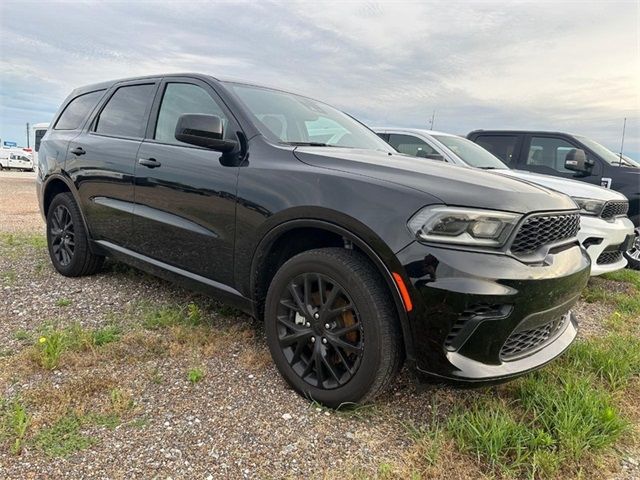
point(78, 151)
point(149, 162)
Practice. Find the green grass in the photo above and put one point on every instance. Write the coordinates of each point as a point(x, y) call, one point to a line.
point(63, 438)
point(626, 275)
point(33, 240)
point(105, 335)
point(155, 318)
point(555, 418)
point(195, 375)
point(614, 359)
point(578, 416)
point(63, 302)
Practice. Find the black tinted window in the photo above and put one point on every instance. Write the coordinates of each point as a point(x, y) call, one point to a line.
point(410, 145)
point(77, 110)
point(502, 146)
point(38, 138)
point(549, 152)
point(125, 112)
point(181, 98)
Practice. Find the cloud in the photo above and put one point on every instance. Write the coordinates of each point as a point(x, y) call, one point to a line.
point(556, 65)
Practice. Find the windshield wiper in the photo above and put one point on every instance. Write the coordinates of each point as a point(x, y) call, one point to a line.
point(488, 168)
point(308, 144)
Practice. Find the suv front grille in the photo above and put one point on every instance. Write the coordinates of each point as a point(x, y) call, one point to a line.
point(615, 209)
point(540, 230)
point(607, 258)
point(520, 343)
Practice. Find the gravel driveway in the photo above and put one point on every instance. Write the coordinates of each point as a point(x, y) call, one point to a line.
point(239, 421)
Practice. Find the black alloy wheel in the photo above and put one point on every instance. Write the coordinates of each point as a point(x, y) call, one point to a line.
point(332, 327)
point(319, 330)
point(67, 239)
point(62, 235)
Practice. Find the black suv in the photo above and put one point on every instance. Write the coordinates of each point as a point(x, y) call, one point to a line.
point(553, 153)
point(357, 258)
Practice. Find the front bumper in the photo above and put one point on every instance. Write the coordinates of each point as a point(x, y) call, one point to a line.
point(602, 240)
point(482, 318)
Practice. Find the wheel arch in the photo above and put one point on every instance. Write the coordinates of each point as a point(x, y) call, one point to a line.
point(58, 183)
point(268, 257)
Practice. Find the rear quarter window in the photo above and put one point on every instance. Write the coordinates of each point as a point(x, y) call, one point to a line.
point(77, 110)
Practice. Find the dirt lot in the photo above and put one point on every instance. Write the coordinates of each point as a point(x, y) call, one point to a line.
point(154, 381)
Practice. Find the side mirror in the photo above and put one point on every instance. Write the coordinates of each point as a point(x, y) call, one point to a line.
point(435, 156)
point(576, 160)
point(203, 131)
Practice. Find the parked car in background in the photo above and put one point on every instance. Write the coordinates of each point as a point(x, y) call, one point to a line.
point(15, 159)
point(357, 258)
point(546, 153)
point(605, 230)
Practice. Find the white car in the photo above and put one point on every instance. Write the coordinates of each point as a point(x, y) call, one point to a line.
point(15, 158)
point(605, 230)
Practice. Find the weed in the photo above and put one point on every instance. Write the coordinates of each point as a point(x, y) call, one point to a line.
point(14, 421)
point(195, 375)
point(157, 318)
point(9, 277)
point(63, 437)
point(108, 334)
point(63, 302)
point(121, 400)
point(22, 335)
point(49, 349)
point(194, 314)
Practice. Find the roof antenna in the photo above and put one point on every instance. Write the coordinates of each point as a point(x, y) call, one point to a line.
point(433, 119)
point(624, 126)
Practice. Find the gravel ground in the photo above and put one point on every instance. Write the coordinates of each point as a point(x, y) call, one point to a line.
point(240, 421)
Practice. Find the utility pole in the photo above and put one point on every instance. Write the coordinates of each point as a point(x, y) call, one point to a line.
point(624, 126)
point(433, 119)
point(27, 134)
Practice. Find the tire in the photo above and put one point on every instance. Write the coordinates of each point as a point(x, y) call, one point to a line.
point(633, 255)
point(67, 239)
point(341, 342)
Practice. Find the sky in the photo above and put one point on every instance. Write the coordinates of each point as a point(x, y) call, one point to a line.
point(559, 65)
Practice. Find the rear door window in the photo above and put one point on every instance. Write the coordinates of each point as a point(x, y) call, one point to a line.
point(126, 112)
point(549, 153)
point(76, 112)
point(502, 146)
point(410, 145)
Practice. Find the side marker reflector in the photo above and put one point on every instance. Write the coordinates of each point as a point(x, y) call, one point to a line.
point(404, 293)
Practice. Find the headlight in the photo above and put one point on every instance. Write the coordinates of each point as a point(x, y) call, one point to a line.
point(589, 206)
point(466, 226)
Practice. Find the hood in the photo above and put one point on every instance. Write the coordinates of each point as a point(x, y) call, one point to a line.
point(573, 188)
point(452, 185)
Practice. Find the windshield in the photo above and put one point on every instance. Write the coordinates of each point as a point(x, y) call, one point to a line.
point(295, 120)
point(471, 153)
point(607, 155)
